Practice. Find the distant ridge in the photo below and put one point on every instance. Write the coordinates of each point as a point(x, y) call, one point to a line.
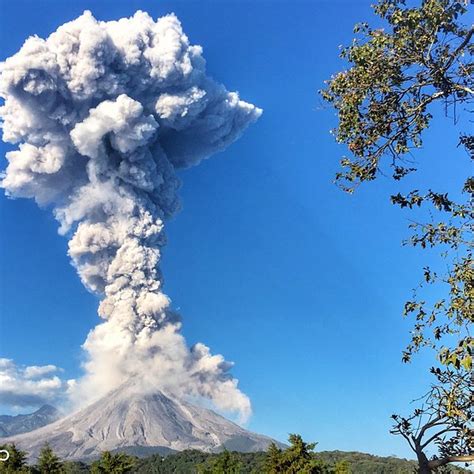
point(16, 424)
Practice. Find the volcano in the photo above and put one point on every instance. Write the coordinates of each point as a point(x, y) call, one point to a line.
point(129, 421)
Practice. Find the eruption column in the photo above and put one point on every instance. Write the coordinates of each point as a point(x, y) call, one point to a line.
point(104, 114)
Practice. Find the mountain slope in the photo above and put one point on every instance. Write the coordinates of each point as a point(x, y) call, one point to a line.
point(127, 420)
point(13, 425)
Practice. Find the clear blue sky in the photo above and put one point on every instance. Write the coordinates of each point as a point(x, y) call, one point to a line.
point(269, 263)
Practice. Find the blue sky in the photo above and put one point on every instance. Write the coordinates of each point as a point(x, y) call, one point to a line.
point(269, 263)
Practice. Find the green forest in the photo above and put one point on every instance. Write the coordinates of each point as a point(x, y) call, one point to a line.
point(299, 457)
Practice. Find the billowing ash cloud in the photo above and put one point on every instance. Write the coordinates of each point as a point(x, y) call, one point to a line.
point(29, 386)
point(104, 114)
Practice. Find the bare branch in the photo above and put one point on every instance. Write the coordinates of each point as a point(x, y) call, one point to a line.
point(435, 463)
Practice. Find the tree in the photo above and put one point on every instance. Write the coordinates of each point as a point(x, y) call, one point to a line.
point(384, 102)
point(273, 459)
point(16, 463)
point(48, 462)
point(298, 458)
point(445, 416)
point(342, 467)
point(225, 463)
point(75, 467)
point(109, 463)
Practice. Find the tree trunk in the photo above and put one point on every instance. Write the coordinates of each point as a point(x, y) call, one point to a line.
point(423, 463)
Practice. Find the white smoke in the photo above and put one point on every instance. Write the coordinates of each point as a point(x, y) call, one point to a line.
point(104, 114)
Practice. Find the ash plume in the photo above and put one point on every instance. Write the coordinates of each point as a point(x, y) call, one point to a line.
point(104, 114)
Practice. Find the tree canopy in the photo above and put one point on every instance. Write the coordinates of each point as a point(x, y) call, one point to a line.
point(48, 462)
point(16, 463)
point(299, 457)
point(395, 74)
point(385, 100)
point(118, 463)
point(225, 463)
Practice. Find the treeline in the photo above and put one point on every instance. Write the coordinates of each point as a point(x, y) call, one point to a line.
point(298, 458)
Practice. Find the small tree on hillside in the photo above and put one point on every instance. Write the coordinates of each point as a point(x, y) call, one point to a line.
point(273, 459)
point(225, 463)
point(298, 458)
point(109, 463)
point(342, 467)
point(48, 462)
point(74, 467)
point(16, 462)
point(384, 101)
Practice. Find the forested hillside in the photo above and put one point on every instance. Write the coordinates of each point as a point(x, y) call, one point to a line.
point(253, 463)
